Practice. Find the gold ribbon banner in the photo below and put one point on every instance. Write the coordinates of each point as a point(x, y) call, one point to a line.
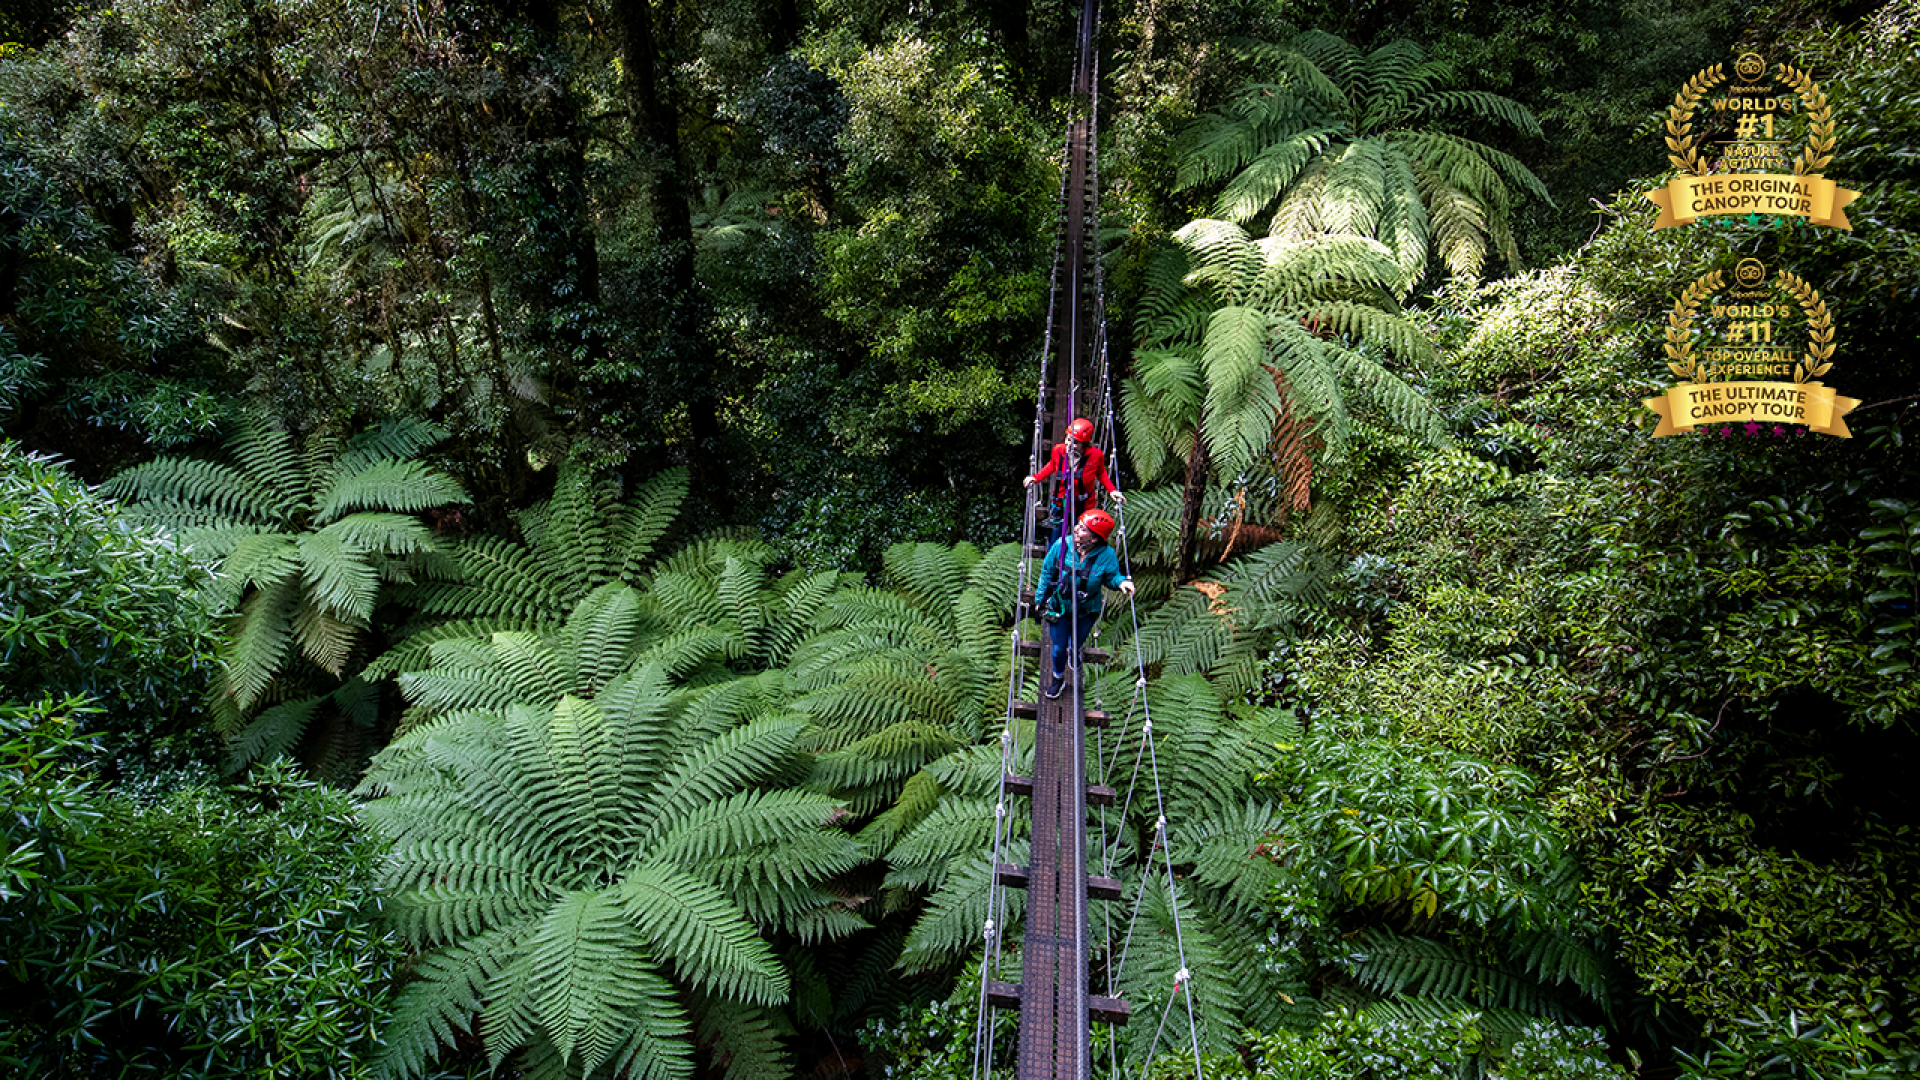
point(1688, 198)
point(1689, 405)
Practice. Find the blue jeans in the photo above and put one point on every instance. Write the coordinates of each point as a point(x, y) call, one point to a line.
point(1058, 635)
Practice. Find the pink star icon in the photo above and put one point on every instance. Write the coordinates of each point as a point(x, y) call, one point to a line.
point(1752, 428)
point(1726, 432)
point(1778, 431)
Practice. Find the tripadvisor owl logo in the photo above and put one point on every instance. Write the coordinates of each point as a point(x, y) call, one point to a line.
point(1735, 342)
point(1751, 141)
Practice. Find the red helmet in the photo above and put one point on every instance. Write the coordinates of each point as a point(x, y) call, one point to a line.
point(1080, 430)
point(1099, 522)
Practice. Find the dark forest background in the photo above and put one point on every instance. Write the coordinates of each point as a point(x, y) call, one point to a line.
point(505, 514)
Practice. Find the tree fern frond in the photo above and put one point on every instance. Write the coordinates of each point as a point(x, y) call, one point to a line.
point(585, 958)
point(743, 822)
point(1478, 103)
point(644, 518)
point(716, 769)
point(272, 733)
point(1269, 174)
point(538, 673)
point(259, 643)
point(570, 533)
point(271, 455)
point(741, 1040)
point(883, 758)
point(1409, 409)
point(165, 489)
point(257, 560)
point(324, 638)
point(1395, 73)
point(338, 576)
point(383, 534)
point(696, 926)
point(1242, 398)
point(602, 635)
point(398, 486)
point(1229, 853)
point(918, 797)
point(684, 650)
point(500, 580)
point(736, 596)
point(1355, 188)
point(400, 438)
point(950, 926)
point(801, 598)
point(931, 575)
point(463, 687)
point(1344, 65)
point(440, 1002)
point(1400, 964)
point(657, 1047)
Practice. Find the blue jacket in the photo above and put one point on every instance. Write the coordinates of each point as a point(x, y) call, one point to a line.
point(1098, 569)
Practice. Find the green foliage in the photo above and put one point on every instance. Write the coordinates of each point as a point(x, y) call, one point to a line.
point(577, 541)
point(580, 873)
point(1789, 1048)
point(214, 932)
point(129, 353)
point(1461, 888)
point(1246, 359)
point(1332, 148)
point(99, 606)
point(306, 537)
point(1460, 1044)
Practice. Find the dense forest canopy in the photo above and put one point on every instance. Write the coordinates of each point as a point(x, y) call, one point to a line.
point(507, 514)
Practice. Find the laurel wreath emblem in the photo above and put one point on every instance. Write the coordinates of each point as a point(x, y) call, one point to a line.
point(1687, 158)
point(1680, 322)
point(1819, 328)
point(1686, 367)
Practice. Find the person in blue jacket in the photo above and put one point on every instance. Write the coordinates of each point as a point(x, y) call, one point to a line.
point(1072, 579)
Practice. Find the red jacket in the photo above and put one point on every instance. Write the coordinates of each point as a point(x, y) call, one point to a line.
point(1093, 470)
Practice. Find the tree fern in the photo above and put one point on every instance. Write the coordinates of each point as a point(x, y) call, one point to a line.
point(575, 542)
point(308, 538)
point(573, 870)
point(1337, 146)
point(1253, 377)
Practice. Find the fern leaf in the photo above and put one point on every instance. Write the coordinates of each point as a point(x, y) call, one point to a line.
point(170, 489)
point(258, 646)
point(714, 770)
point(339, 576)
point(645, 518)
point(741, 1040)
point(271, 734)
point(440, 1002)
point(694, 924)
point(585, 956)
point(400, 486)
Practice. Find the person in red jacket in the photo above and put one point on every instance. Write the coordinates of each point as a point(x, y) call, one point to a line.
point(1079, 459)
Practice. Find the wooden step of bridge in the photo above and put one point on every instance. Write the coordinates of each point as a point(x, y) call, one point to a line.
point(1014, 876)
point(1029, 710)
point(1100, 1009)
point(1097, 794)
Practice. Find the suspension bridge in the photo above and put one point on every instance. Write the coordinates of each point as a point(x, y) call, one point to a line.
point(1058, 952)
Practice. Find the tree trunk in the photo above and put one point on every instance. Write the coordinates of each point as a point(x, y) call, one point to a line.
point(1190, 499)
point(656, 127)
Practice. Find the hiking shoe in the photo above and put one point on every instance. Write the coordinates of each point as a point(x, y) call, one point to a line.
point(1057, 684)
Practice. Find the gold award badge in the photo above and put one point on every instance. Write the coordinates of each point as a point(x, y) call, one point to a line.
point(1717, 353)
point(1755, 112)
